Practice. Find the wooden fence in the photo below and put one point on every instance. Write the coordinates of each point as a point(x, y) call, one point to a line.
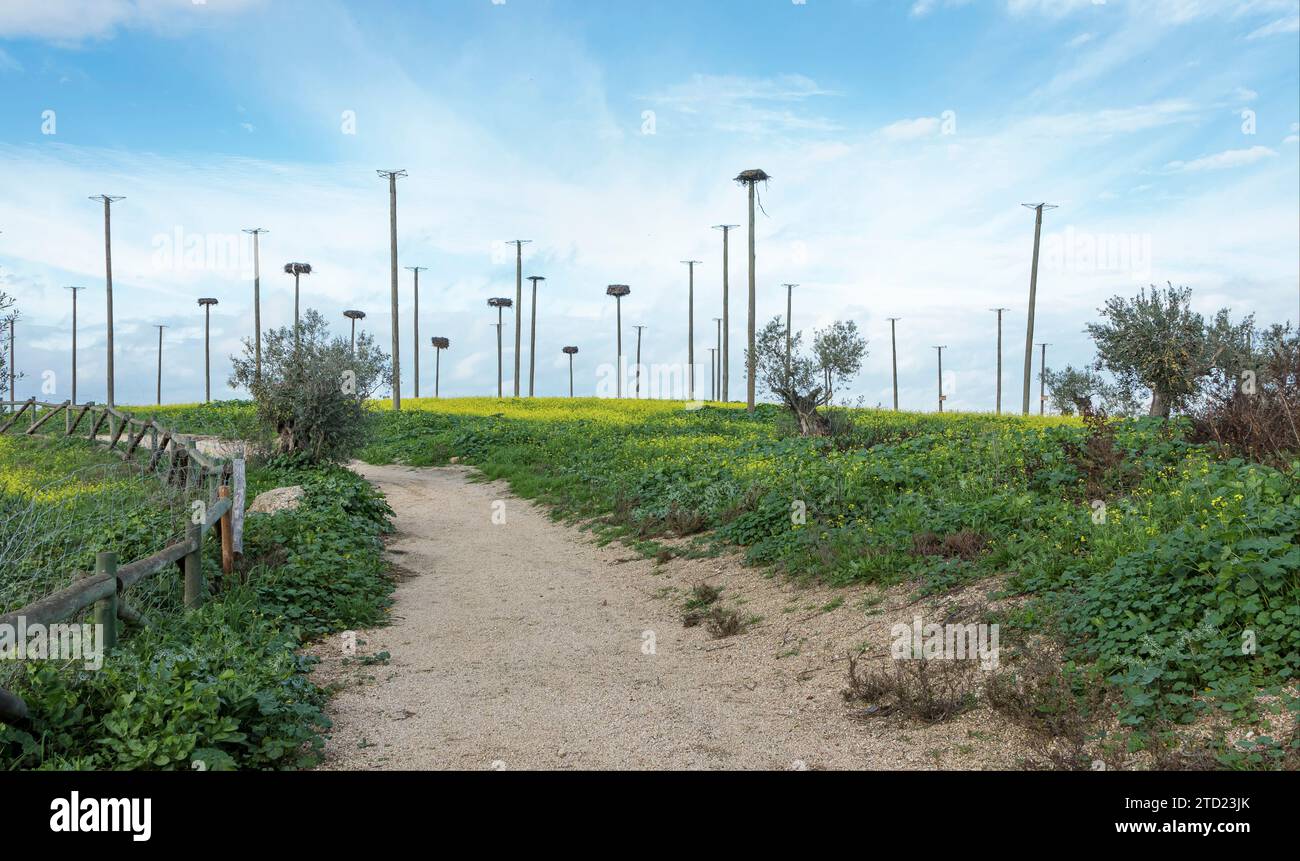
point(183, 465)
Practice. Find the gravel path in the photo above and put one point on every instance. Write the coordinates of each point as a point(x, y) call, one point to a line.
point(523, 645)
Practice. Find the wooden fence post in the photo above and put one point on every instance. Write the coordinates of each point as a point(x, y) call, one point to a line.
point(238, 483)
point(194, 567)
point(227, 535)
point(106, 608)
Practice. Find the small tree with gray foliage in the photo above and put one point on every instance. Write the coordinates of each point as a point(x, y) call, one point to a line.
point(311, 394)
point(806, 386)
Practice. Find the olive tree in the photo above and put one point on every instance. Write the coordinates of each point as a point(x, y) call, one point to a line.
point(312, 388)
point(805, 385)
point(1154, 341)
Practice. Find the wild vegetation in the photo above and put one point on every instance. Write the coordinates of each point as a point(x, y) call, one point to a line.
point(223, 686)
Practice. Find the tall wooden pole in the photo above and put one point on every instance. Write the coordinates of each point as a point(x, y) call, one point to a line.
point(999, 311)
point(618, 312)
point(74, 342)
point(415, 350)
point(437, 371)
point(717, 387)
point(1042, 382)
point(638, 360)
point(532, 338)
point(690, 329)
point(940, 349)
point(392, 176)
point(499, 380)
point(519, 305)
point(570, 375)
point(893, 350)
point(789, 315)
point(1033, 298)
point(257, 303)
point(158, 397)
point(724, 363)
point(751, 364)
point(108, 284)
point(13, 326)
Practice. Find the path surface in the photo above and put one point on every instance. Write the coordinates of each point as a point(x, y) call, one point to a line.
point(524, 645)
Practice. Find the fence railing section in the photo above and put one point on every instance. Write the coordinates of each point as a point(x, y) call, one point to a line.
point(179, 462)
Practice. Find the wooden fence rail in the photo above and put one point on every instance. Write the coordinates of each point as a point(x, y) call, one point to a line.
point(103, 590)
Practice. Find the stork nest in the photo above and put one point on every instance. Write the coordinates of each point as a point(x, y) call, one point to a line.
point(442, 343)
point(572, 351)
point(618, 290)
point(355, 315)
point(747, 177)
point(501, 302)
point(297, 268)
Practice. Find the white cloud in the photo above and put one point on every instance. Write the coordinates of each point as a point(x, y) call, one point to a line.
point(1222, 160)
point(1244, 94)
point(914, 129)
point(1080, 40)
point(78, 20)
point(1278, 27)
point(744, 104)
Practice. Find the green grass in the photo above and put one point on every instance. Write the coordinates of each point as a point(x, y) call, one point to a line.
point(223, 686)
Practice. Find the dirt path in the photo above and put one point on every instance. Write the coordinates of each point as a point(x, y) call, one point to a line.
point(523, 645)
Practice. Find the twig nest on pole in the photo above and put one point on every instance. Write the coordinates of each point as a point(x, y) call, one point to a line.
point(618, 290)
point(355, 315)
point(501, 302)
point(297, 268)
point(441, 343)
point(748, 177)
point(572, 351)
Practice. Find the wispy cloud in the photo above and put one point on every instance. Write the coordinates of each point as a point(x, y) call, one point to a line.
point(78, 20)
point(746, 104)
point(1277, 28)
point(1222, 160)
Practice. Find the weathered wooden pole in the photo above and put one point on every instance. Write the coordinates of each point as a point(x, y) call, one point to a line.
point(74, 340)
point(750, 179)
point(690, 329)
point(392, 176)
point(227, 534)
point(724, 364)
point(519, 304)
point(207, 304)
point(257, 303)
point(439, 344)
point(108, 200)
point(354, 316)
point(571, 352)
point(893, 350)
point(618, 291)
point(1033, 298)
point(13, 327)
point(999, 311)
point(158, 397)
point(638, 360)
point(106, 608)
point(500, 303)
point(532, 339)
point(415, 354)
point(1042, 381)
point(789, 314)
point(193, 566)
point(940, 349)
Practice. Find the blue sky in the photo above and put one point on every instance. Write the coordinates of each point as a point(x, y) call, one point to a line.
point(902, 137)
